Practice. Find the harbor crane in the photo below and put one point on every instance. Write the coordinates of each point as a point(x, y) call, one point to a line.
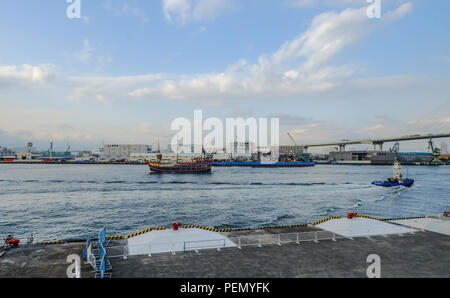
point(299, 150)
point(435, 152)
point(395, 148)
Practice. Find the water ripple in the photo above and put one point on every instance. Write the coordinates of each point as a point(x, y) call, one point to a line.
point(61, 202)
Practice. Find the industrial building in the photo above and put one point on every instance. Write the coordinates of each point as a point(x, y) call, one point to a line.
point(27, 153)
point(166, 157)
point(378, 157)
point(352, 157)
point(7, 153)
point(290, 149)
point(444, 149)
point(125, 151)
point(242, 147)
point(414, 157)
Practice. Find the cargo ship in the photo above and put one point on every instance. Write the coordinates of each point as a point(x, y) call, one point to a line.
point(264, 165)
point(195, 166)
point(268, 160)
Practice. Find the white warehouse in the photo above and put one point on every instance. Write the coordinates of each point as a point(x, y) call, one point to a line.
point(125, 151)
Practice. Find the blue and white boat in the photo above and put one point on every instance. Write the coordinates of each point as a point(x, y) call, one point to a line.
point(396, 180)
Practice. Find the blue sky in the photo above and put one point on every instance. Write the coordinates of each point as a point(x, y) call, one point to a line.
point(127, 68)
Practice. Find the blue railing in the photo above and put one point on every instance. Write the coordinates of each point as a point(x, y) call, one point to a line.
point(103, 265)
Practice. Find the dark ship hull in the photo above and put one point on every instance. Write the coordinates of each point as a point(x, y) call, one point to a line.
point(197, 166)
point(264, 165)
point(406, 183)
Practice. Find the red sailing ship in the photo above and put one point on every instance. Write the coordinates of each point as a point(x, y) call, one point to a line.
point(197, 165)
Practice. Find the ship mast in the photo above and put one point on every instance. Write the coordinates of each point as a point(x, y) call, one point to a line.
point(51, 151)
point(396, 169)
point(178, 147)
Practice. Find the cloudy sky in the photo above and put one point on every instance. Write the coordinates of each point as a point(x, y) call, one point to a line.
point(124, 70)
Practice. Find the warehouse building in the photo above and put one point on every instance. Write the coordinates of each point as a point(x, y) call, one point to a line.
point(125, 151)
point(7, 153)
point(378, 157)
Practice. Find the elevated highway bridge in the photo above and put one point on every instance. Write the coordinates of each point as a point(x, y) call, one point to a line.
point(376, 143)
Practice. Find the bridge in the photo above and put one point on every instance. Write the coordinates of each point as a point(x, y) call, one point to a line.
point(376, 143)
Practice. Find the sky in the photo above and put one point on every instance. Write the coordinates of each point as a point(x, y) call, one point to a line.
point(124, 70)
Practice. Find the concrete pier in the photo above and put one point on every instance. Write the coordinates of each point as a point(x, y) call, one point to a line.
point(418, 254)
point(423, 254)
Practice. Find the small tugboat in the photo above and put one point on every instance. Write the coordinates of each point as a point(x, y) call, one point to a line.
point(396, 180)
point(196, 166)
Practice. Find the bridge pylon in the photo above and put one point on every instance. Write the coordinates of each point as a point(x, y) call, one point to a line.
point(379, 144)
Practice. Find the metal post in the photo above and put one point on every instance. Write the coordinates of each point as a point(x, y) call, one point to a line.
point(150, 250)
point(334, 237)
point(316, 238)
point(298, 238)
point(30, 238)
point(239, 245)
point(260, 241)
point(279, 239)
point(125, 252)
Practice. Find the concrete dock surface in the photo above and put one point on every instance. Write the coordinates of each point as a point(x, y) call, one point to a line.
point(422, 254)
point(438, 224)
point(41, 261)
point(418, 254)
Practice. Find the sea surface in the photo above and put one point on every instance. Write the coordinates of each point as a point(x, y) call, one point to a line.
point(57, 202)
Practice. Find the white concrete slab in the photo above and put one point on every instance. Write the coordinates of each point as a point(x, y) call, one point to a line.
point(174, 241)
point(438, 225)
point(359, 227)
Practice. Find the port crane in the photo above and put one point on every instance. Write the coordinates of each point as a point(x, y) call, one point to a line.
point(435, 152)
point(395, 148)
point(299, 150)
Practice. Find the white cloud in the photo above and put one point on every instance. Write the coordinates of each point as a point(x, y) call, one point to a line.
point(106, 89)
point(377, 127)
point(13, 75)
point(145, 127)
point(301, 66)
point(183, 11)
point(43, 124)
point(210, 9)
point(300, 131)
point(179, 9)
